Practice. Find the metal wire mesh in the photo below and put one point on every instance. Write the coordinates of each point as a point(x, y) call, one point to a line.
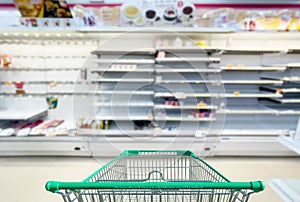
point(157, 167)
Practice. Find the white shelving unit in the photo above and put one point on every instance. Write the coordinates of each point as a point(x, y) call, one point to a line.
point(120, 70)
point(286, 79)
point(286, 101)
point(24, 114)
point(123, 118)
point(224, 133)
point(259, 111)
point(242, 68)
point(175, 60)
point(282, 89)
point(184, 107)
point(124, 80)
point(196, 49)
point(253, 120)
point(125, 92)
point(135, 104)
point(46, 82)
point(168, 118)
point(293, 65)
point(208, 95)
point(36, 95)
point(130, 104)
point(125, 61)
point(254, 132)
point(287, 189)
point(275, 82)
point(291, 143)
point(17, 69)
point(161, 70)
point(146, 51)
point(247, 50)
point(41, 58)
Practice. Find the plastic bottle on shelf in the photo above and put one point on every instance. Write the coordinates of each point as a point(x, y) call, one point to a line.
point(5, 60)
point(177, 43)
point(83, 73)
point(107, 124)
point(158, 43)
point(101, 124)
point(188, 43)
point(229, 42)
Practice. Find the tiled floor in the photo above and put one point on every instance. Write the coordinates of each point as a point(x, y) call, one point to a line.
point(22, 179)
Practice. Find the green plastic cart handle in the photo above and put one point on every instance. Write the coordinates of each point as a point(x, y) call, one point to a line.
point(54, 186)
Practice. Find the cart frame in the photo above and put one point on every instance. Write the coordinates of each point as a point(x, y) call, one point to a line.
point(104, 180)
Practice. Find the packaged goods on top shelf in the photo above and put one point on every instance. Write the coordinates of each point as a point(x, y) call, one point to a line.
point(186, 14)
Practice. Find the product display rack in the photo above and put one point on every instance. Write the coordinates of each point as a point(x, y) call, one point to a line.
point(291, 143)
point(38, 69)
point(50, 92)
point(44, 146)
point(138, 92)
point(143, 95)
point(208, 95)
point(242, 68)
point(293, 65)
point(263, 110)
point(285, 89)
point(175, 60)
point(15, 114)
point(47, 65)
point(288, 189)
point(115, 101)
point(124, 61)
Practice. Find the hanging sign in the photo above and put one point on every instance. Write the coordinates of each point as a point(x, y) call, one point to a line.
point(44, 13)
point(44, 8)
point(157, 12)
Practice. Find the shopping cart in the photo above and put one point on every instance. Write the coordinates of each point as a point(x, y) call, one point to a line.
point(152, 176)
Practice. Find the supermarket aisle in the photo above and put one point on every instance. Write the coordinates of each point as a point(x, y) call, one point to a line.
point(23, 179)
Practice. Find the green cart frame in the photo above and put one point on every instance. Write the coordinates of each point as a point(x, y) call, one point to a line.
point(155, 176)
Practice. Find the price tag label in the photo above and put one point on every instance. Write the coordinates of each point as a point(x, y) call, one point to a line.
point(240, 66)
point(236, 93)
point(278, 90)
point(200, 133)
point(180, 95)
point(229, 66)
point(158, 79)
point(161, 54)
